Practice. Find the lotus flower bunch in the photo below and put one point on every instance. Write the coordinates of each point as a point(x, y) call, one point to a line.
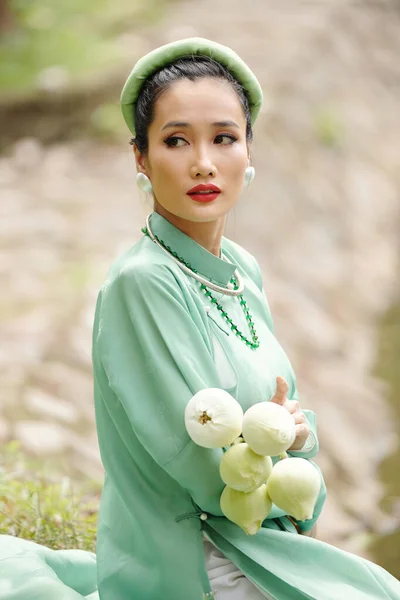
point(214, 419)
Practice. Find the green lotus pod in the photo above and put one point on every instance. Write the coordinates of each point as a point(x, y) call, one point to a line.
point(244, 470)
point(249, 510)
point(294, 486)
point(268, 428)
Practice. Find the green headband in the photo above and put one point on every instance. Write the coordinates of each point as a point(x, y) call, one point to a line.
point(164, 55)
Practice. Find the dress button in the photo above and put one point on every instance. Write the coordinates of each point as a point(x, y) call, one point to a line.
point(208, 308)
point(203, 516)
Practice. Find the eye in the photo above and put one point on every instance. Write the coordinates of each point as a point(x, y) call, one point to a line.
point(171, 141)
point(232, 139)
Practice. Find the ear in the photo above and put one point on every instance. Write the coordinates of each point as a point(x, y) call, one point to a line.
point(140, 160)
point(249, 153)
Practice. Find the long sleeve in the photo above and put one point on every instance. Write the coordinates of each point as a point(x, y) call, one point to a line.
point(152, 343)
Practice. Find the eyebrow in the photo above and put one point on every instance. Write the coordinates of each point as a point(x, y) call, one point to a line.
point(184, 124)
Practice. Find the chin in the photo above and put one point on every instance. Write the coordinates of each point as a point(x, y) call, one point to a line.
point(207, 212)
point(198, 212)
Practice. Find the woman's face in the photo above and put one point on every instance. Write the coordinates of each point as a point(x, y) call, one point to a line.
point(206, 143)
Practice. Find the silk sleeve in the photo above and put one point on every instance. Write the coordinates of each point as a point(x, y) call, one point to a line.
point(153, 345)
point(311, 446)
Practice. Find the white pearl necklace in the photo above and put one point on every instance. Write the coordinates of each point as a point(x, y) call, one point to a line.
point(229, 291)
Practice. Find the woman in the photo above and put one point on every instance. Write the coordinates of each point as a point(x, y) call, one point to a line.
point(183, 310)
point(160, 335)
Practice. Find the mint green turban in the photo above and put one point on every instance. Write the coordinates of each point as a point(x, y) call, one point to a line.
point(164, 55)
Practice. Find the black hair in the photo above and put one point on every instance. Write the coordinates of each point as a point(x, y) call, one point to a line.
point(190, 67)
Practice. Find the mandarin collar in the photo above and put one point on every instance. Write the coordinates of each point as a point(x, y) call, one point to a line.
point(207, 264)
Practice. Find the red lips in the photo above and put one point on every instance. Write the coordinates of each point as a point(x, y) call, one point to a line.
point(204, 187)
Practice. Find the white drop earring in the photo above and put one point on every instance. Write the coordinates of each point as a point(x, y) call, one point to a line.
point(144, 183)
point(249, 175)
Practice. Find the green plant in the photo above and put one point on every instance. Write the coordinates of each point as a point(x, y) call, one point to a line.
point(40, 506)
point(385, 546)
point(51, 46)
point(329, 128)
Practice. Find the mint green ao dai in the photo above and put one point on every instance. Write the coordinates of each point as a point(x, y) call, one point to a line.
point(157, 340)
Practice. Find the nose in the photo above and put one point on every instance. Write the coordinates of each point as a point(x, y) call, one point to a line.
point(203, 166)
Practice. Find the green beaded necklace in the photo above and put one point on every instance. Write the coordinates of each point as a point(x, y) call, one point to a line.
point(251, 344)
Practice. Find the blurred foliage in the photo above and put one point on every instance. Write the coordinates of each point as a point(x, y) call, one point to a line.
point(36, 505)
point(106, 122)
point(386, 548)
point(76, 275)
point(329, 128)
point(63, 65)
point(49, 44)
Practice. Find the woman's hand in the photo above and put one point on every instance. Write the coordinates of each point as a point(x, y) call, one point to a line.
point(302, 428)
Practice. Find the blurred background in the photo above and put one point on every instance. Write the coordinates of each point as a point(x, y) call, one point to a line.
point(322, 217)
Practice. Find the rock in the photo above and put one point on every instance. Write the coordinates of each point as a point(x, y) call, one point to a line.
point(8, 174)
point(86, 455)
point(51, 407)
point(71, 385)
point(53, 78)
point(43, 439)
point(334, 525)
point(4, 431)
point(27, 153)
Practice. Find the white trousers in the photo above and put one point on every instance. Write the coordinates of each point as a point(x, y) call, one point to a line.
point(227, 581)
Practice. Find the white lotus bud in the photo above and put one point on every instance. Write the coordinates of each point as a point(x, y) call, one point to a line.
point(213, 418)
point(248, 511)
point(244, 470)
point(239, 440)
point(294, 486)
point(268, 428)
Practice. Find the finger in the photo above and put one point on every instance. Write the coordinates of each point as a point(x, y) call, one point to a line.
point(299, 417)
point(293, 406)
point(282, 389)
point(302, 431)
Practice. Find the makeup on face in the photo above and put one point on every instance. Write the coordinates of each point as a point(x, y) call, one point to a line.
point(204, 192)
point(197, 150)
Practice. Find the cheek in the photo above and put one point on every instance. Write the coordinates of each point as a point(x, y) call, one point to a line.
point(167, 168)
point(236, 166)
point(237, 158)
